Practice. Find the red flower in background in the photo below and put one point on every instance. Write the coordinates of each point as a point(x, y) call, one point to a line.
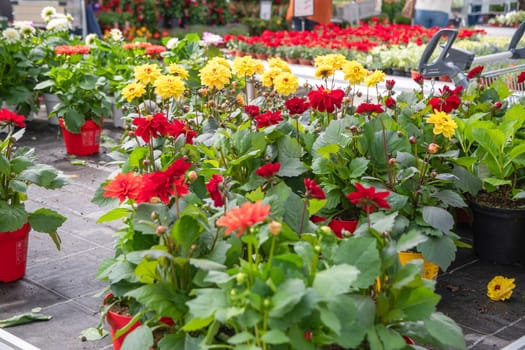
point(268, 170)
point(123, 186)
point(296, 105)
point(325, 100)
point(313, 190)
point(214, 189)
point(7, 116)
point(241, 218)
point(448, 101)
point(368, 108)
point(418, 78)
point(390, 102)
point(268, 118)
point(252, 110)
point(71, 50)
point(368, 198)
point(475, 72)
point(155, 50)
point(152, 126)
point(521, 77)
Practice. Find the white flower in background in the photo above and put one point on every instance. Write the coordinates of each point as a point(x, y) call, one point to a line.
point(11, 35)
point(211, 39)
point(116, 35)
point(91, 40)
point(25, 28)
point(172, 43)
point(69, 18)
point(47, 13)
point(59, 23)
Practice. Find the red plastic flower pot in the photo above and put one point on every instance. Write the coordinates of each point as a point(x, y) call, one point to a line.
point(86, 142)
point(117, 321)
point(13, 253)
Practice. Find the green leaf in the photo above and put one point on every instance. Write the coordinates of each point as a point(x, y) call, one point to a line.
point(390, 339)
point(410, 240)
point(450, 198)
point(287, 296)
point(415, 304)
point(186, 231)
point(92, 334)
point(438, 218)
point(162, 298)
point(358, 167)
point(275, 336)
point(114, 214)
point(139, 339)
point(446, 331)
point(46, 220)
point(207, 302)
point(326, 151)
point(440, 250)
point(241, 337)
point(207, 265)
point(43, 175)
point(29, 317)
point(335, 280)
point(13, 217)
point(362, 253)
point(197, 323)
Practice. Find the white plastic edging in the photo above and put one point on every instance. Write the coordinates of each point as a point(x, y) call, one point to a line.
point(11, 342)
point(516, 345)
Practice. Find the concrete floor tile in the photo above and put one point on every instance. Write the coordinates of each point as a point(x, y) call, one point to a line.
point(63, 331)
point(21, 296)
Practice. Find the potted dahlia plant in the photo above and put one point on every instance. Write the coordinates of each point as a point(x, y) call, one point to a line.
point(19, 170)
point(490, 134)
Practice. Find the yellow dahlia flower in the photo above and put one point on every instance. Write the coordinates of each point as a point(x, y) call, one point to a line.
point(215, 75)
point(169, 86)
point(276, 62)
point(334, 60)
point(147, 73)
point(324, 71)
point(443, 123)
point(246, 66)
point(220, 60)
point(375, 78)
point(133, 91)
point(500, 288)
point(269, 75)
point(286, 83)
point(354, 72)
point(178, 71)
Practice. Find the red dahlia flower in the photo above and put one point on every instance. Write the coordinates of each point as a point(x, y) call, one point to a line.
point(368, 108)
point(123, 186)
point(448, 101)
point(296, 105)
point(475, 72)
point(252, 110)
point(9, 117)
point(521, 77)
point(178, 127)
point(368, 198)
point(165, 184)
point(268, 170)
point(390, 102)
point(214, 188)
point(241, 218)
point(325, 100)
point(152, 126)
point(313, 190)
point(268, 118)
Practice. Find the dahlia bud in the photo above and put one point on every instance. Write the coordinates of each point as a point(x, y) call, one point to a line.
point(131, 133)
point(267, 303)
point(234, 84)
point(433, 174)
point(392, 161)
point(354, 129)
point(275, 228)
point(161, 230)
point(155, 200)
point(145, 162)
point(154, 215)
point(390, 84)
point(497, 105)
point(241, 277)
point(433, 148)
point(308, 335)
point(186, 108)
point(412, 140)
point(192, 176)
point(400, 133)
point(346, 99)
point(326, 230)
point(211, 103)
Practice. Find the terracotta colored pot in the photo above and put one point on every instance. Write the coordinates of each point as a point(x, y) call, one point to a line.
point(13, 254)
point(86, 142)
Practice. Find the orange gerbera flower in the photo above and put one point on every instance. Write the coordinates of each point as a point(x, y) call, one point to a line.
point(241, 218)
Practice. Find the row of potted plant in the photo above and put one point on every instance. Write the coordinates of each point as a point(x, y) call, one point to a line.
point(214, 148)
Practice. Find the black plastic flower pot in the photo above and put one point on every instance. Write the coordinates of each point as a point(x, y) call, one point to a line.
point(499, 234)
